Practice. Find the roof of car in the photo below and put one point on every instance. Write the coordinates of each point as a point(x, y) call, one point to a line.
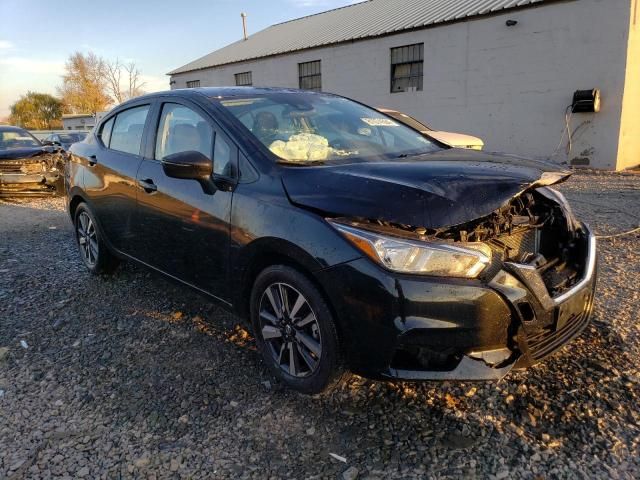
point(10, 128)
point(218, 92)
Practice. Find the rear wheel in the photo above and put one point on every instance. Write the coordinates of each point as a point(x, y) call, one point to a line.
point(295, 330)
point(93, 251)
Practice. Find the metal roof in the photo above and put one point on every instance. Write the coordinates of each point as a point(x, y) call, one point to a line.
point(359, 21)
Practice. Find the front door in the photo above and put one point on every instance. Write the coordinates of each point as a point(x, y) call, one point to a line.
point(183, 229)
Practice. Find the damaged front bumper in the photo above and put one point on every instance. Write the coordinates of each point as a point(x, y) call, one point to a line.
point(29, 184)
point(45, 182)
point(439, 329)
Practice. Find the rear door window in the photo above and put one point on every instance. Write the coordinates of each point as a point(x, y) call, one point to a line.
point(128, 129)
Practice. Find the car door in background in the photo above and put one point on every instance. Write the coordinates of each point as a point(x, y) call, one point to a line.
point(183, 227)
point(110, 176)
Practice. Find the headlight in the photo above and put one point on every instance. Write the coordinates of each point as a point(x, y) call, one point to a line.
point(413, 256)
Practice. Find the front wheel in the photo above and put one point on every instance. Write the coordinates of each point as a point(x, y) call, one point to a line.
point(94, 252)
point(295, 330)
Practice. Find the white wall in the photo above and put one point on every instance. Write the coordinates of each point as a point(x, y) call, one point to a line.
point(629, 152)
point(78, 123)
point(508, 85)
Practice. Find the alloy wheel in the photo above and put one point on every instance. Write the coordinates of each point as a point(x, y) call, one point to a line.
point(290, 330)
point(87, 239)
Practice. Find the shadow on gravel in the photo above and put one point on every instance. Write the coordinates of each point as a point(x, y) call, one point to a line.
point(182, 366)
point(130, 366)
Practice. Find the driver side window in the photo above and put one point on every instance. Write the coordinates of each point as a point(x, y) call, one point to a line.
point(182, 130)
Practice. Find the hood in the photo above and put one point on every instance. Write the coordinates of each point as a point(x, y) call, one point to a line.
point(27, 152)
point(436, 190)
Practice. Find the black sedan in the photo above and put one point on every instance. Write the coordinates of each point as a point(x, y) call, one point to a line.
point(349, 240)
point(66, 139)
point(27, 166)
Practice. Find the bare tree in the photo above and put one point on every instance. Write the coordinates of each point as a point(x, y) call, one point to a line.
point(136, 85)
point(114, 74)
point(91, 84)
point(133, 85)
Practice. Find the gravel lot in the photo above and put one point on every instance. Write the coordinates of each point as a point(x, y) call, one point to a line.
point(134, 377)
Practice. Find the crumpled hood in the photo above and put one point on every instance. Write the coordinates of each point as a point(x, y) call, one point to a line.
point(436, 190)
point(28, 152)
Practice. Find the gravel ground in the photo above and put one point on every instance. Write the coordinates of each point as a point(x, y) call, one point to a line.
point(134, 377)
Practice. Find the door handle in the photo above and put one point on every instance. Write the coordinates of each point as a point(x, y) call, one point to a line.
point(93, 160)
point(148, 185)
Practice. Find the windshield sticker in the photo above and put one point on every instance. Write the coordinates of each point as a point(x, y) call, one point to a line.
point(380, 122)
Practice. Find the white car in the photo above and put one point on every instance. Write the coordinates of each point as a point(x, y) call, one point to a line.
point(456, 140)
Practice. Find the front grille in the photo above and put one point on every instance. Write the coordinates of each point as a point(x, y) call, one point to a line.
point(20, 167)
point(10, 167)
point(546, 341)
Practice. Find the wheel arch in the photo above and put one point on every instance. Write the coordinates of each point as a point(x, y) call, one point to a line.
point(267, 252)
point(75, 197)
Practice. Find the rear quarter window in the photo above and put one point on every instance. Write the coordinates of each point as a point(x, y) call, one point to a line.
point(104, 134)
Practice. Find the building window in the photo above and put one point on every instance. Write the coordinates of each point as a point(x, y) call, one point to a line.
point(193, 84)
point(244, 79)
point(310, 76)
point(406, 67)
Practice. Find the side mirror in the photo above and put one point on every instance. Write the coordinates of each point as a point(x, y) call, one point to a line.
point(47, 143)
point(190, 165)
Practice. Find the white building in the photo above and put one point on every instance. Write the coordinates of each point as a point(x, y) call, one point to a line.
point(79, 121)
point(503, 70)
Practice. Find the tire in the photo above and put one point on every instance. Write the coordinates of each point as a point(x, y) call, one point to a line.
point(94, 252)
point(299, 343)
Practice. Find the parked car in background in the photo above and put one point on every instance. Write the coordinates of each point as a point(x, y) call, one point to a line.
point(348, 239)
point(65, 140)
point(456, 140)
point(27, 166)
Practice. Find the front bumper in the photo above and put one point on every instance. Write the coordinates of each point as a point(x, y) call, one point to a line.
point(29, 183)
point(420, 328)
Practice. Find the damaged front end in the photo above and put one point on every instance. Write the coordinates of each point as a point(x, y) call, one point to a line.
point(32, 172)
point(540, 270)
point(472, 264)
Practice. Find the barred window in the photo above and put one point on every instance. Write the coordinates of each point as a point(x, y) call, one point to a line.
point(406, 67)
point(193, 84)
point(244, 79)
point(310, 76)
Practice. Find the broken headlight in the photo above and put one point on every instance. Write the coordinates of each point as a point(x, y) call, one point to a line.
point(418, 257)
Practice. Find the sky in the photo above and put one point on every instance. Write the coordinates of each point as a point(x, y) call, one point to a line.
point(37, 36)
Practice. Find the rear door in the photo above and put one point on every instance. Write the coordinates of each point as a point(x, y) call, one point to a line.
point(183, 230)
point(110, 176)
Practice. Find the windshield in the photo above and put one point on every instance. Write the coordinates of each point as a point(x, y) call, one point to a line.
point(15, 139)
point(307, 127)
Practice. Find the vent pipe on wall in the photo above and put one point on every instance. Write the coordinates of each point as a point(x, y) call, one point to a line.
point(244, 25)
